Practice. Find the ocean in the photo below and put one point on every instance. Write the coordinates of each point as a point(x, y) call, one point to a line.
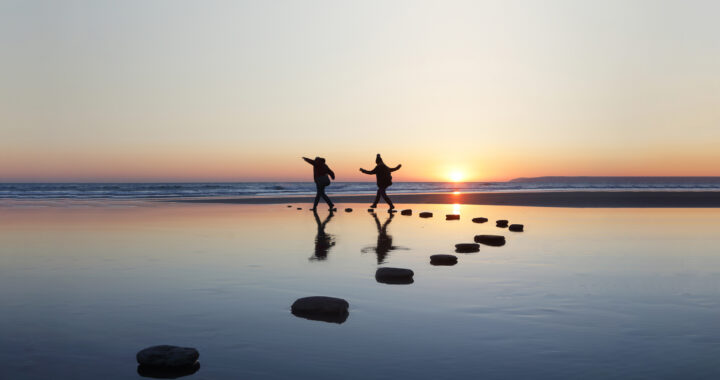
point(249, 189)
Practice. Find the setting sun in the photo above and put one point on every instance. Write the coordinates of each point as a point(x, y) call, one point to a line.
point(456, 176)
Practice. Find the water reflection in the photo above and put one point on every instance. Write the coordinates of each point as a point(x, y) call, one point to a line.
point(323, 240)
point(384, 241)
point(165, 373)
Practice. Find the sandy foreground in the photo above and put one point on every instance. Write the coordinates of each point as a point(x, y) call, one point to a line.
point(539, 199)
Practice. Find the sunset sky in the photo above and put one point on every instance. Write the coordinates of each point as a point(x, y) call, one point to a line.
point(239, 91)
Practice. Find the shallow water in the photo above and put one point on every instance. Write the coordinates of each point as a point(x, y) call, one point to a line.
point(582, 293)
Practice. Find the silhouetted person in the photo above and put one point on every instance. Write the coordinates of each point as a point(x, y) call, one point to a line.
point(321, 176)
point(323, 241)
point(384, 180)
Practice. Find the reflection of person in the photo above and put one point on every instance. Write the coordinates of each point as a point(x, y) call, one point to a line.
point(384, 180)
point(384, 241)
point(321, 176)
point(323, 241)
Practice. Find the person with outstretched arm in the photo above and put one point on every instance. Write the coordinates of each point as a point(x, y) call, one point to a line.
point(321, 176)
point(384, 180)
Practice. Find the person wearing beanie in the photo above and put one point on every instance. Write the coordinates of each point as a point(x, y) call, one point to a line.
point(384, 180)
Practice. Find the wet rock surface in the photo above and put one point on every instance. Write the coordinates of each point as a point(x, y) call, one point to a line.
point(443, 259)
point(467, 247)
point(501, 223)
point(452, 217)
point(348, 209)
point(406, 212)
point(394, 275)
point(166, 356)
point(492, 240)
point(426, 214)
point(480, 220)
point(321, 308)
point(516, 227)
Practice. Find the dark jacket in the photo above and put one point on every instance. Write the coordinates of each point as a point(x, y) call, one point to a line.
point(320, 168)
point(382, 174)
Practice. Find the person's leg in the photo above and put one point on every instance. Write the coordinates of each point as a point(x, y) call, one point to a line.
point(317, 195)
point(377, 199)
point(386, 198)
point(321, 190)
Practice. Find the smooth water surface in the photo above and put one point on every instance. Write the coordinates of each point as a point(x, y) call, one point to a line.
point(582, 293)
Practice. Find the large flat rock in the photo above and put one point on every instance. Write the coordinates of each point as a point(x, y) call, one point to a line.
point(389, 275)
point(321, 308)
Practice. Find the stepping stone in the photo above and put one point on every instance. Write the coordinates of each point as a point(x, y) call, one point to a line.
point(516, 227)
point(167, 357)
point(479, 220)
point(388, 275)
point(299, 208)
point(320, 308)
point(467, 247)
point(167, 373)
point(443, 260)
point(426, 214)
point(348, 209)
point(289, 206)
point(452, 217)
point(492, 240)
point(406, 212)
point(501, 223)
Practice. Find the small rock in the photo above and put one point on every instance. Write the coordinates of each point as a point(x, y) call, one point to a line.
point(299, 208)
point(406, 212)
point(289, 206)
point(348, 209)
point(479, 220)
point(501, 223)
point(394, 275)
point(426, 214)
point(443, 259)
point(492, 240)
point(320, 308)
point(165, 356)
point(452, 217)
point(516, 227)
point(467, 247)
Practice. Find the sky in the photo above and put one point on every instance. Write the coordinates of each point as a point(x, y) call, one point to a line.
point(241, 90)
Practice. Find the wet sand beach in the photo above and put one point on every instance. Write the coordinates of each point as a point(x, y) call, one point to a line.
point(589, 293)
